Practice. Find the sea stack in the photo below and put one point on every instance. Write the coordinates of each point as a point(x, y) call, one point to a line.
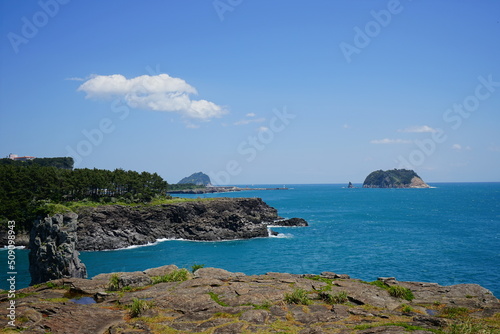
point(395, 178)
point(53, 251)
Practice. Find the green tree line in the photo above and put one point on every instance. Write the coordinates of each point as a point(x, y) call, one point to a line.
point(24, 188)
point(59, 162)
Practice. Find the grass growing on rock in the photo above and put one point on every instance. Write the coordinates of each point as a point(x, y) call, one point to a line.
point(380, 284)
point(215, 297)
point(470, 327)
point(298, 296)
point(406, 326)
point(406, 308)
point(395, 290)
point(178, 275)
point(454, 312)
point(337, 298)
point(195, 267)
point(114, 282)
point(401, 292)
point(138, 306)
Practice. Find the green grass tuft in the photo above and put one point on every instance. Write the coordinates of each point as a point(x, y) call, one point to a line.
point(215, 297)
point(138, 306)
point(454, 312)
point(469, 327)
point(195, 267)
point(337, 298)
point(401, 292)
point(114, 282)
point(380, 284)
point(298, 296)
point(179, 275)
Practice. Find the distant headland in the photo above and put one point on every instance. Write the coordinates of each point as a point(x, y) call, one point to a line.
point(200, 183)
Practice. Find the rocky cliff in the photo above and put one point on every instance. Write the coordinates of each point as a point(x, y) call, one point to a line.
point(395, 178)
point(172, 300)
point(53, 251)
point(116, 226)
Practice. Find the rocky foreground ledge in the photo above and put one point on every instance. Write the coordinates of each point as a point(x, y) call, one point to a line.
point(172, 300)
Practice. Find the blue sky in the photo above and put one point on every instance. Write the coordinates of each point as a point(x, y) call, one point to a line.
point(255, 91)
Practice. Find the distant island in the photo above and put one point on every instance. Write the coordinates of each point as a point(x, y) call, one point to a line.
point(395, 178)
point(198, 179)
point(200, 183)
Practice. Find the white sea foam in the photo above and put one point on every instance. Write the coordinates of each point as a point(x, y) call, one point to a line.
point(145, 245)
point(282, 236)
point(279, 235)
point(16, 247)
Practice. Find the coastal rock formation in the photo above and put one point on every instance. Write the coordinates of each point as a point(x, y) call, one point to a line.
point(218, 301)
point(53, 249)
point(395, 178)
point(116, 226)
point(291, 222)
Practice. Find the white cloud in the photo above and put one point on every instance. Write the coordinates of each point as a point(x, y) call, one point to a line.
point(160, 93)
point(390, 141)
point(263, 129)
point(75, 79)
point(251, 114)
point(248, 121)
point(346, 126)
point(418, 129)
point(458, 147)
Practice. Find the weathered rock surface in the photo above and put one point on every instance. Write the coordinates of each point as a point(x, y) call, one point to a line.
point(218, 301)
point(53, 251)
point(116, 226)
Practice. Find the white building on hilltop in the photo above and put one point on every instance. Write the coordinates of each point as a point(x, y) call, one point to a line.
point(18, 158)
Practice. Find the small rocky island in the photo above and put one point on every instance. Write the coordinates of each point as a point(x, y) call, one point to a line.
point(394, 178)
point(198, 179)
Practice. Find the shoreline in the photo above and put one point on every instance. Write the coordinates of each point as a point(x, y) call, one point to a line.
point(219, 189)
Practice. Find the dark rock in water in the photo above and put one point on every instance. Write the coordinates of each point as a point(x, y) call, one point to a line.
point(291, 222)
point(53, 252)
point(350, 185)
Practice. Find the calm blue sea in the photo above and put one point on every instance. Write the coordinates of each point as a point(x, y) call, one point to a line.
point(449, 234)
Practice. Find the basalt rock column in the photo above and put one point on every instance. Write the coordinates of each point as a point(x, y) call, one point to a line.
point(53, 251)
